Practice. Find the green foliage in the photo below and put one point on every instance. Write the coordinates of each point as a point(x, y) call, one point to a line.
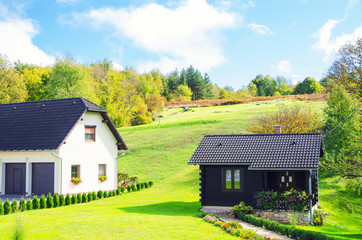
point(14, 206)
point(308, 86)
point(146, 184)
point(94, 196)
point(7, 207)
point(100, 194)
point(343, 131)
point(235, 225)
point(123, 189)
point(114, 193)
point(29, 205)
point(134, 188)
point(36, 202)
point(42, 202)
point(22, 205)
point(68, 200)
point(74, 199)
point(50, 202)
point(56, 201)
point(241, 207)
point(138, 186)
point(118, 191)
point(291, 200)
point(18, 232)
point(84, 198)
point(79, 198)
point(61, 200)
point(1, 208)
point(105, 194)
point(150, 183)
point(129, 188)
point(90, 197)
point(110, 193)
point(318, 217)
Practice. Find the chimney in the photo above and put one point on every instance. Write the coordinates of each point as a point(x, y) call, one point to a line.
point(277, 129)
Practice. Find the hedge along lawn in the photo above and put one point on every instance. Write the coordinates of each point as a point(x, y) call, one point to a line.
point(168, 209)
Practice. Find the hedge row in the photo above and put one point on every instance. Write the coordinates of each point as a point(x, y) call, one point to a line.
point(283, 229)
point(61, 200)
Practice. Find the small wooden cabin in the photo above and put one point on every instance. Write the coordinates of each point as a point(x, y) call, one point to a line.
point(235, 167)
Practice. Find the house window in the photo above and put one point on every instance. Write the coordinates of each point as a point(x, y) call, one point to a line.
point(232, 179)
point(102, 170)
point(90, 133)
point(75, 171)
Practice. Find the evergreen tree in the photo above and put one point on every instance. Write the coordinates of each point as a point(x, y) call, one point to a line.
point(42, 202)
point(29, 205)
point(36, 202)
point(1, 208)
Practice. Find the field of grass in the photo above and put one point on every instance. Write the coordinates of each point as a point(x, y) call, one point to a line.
point(159, 152)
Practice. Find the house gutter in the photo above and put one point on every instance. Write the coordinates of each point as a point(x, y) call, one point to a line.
point(310, 198)
point(61, 171)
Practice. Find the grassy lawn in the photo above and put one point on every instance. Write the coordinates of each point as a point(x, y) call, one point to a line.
point(159, 152)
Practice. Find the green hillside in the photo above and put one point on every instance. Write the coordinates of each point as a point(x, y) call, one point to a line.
point(159, 152)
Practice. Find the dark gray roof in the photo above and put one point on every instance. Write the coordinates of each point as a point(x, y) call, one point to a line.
point(261, 151)
point(44, 125)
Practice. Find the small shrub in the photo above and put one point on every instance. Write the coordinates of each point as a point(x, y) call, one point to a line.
point(84, 198)
point(218, 223)
point(68, 200)
point(61, 200)
point(128, 188)
point(318, 217)
point(228, 230)
point(110, 193)
point(56, 201)
point(90, 197)
point(134, 188)
point(29, 205)
point(1, 208)
point(36, 202)
point(74, 199)
point(225, 226)
point(105, 194)
point(50, 202)
point(114, 193)
point(94, 195)
point(235, 224)
point(138, 186)
point(14, 206)
point(241, 207)
point(123, 189)
point(79, 198)
point(19, 227)
point(142, 185)
point(100, 194)
point(7, 207)
point(146, 185)
point(42, 202)
point(22, 205)
point(150, 183)
point(211, 221)
point(118, 191)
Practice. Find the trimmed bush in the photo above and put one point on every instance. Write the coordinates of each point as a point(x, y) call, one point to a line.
point(94, 195)
point(84, 198)
point(74, 199)
point(123, 189)
point(14, 206)
point(150, 183)
point(134, 188)
point(90, 197)
point(50, 202)
point(68, 200)
point(118, 191)
point(22, 205)
point(29, 205)
point(36, 202)
point(138, 186)
point(129, 188)
point(110, 194)
point(7, 207)
point(79, 198)
point(61, 200)
point(235, 225)
point(56, 202)
point(146, 185)
point(1, 208)
point(142, 185)
point(105, 194)
point(114, 193)
point(42, 202)
point(100, 194)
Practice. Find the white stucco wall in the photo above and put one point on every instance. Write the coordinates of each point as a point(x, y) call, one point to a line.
point(28, 157)
point(76, 151)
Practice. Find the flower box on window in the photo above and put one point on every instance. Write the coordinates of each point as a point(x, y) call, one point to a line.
point(102, 178)
point(75, 180)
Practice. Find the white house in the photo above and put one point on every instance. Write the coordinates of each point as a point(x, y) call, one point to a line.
point(44, 144)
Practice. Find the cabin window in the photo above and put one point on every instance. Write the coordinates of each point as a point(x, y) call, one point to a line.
point(90, 133)
point(102, 170)
point(75, 171)
point(232, 179)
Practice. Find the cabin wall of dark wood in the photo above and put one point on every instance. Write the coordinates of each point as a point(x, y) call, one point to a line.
point(213, 194)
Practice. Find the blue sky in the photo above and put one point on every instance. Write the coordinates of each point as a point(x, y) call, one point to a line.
point(233, 41)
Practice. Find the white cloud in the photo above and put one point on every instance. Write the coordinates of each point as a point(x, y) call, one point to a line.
point(117, 66)
point(284, 68)
point(261, 29)
point(189, 33)
point(16, 40)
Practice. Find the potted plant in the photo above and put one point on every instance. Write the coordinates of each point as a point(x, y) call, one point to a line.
point(75, 180)
point(102, 178)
